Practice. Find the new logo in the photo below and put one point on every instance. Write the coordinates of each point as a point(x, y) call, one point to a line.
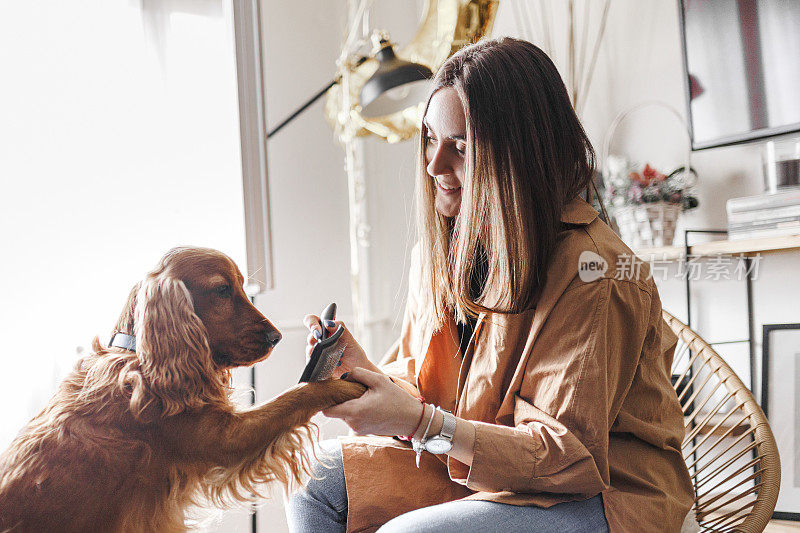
point(591, 266)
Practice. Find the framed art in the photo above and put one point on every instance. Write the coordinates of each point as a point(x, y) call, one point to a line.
point(780, 400)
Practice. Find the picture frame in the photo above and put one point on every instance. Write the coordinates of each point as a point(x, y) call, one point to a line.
point(780, 400)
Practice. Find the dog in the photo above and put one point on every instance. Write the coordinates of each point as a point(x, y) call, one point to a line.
point(131, 439)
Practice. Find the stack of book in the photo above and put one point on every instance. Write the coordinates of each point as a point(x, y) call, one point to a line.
point(765, 215)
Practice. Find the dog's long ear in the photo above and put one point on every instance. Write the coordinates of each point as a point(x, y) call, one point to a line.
point(172, 347)
point(126, 317)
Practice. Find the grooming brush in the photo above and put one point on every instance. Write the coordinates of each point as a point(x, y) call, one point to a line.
point(326, 353)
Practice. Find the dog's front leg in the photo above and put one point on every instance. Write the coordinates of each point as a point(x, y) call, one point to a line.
point(224, 437)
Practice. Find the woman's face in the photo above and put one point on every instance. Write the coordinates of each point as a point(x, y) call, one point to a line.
point(445, 148)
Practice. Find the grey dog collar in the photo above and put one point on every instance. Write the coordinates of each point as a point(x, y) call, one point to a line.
point(124, 341)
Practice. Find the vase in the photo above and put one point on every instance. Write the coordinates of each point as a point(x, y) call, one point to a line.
point(647, 225)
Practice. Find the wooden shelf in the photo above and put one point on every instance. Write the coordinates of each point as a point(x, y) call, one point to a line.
point(735, 247)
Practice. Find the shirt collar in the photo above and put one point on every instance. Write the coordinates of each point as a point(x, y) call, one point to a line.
point(578, 211)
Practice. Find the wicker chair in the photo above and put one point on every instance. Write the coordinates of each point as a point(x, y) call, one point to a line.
point(728, 446)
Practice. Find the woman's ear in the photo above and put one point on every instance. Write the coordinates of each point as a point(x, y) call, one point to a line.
point(172, 346)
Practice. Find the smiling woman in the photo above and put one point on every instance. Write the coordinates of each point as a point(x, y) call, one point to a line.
point(547, 392)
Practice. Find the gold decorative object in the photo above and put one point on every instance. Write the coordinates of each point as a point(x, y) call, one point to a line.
point(447, 26)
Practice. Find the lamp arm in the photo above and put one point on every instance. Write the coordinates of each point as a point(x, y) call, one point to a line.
point(303, 107)
point(313, 99)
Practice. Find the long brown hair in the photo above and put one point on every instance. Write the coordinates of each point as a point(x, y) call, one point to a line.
point(527, 157)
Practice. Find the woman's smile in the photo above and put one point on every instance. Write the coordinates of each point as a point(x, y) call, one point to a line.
point(448, 189)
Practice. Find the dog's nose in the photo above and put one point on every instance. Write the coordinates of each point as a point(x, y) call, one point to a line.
point(274, 337)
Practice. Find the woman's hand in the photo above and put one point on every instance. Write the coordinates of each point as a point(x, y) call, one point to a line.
point(385, 409)
point(353, 356)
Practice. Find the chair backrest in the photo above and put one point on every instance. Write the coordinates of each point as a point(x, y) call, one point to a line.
point(728, 445)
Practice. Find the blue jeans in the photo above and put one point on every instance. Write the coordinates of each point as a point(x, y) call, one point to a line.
point(322, 507)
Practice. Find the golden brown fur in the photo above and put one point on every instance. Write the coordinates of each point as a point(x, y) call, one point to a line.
point(130, 440)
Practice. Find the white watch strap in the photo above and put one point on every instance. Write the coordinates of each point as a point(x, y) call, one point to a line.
point(448, 425)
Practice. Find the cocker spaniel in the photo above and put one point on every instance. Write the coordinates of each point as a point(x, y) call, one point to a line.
point(132, 438)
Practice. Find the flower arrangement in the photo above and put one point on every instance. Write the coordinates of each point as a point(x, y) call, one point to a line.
point(627, 183)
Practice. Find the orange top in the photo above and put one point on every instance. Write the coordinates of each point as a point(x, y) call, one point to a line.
point(569, 399)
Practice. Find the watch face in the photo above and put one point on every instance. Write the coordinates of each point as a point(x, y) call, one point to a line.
point(438, 445)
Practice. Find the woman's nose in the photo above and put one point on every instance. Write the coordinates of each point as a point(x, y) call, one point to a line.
point(439, 164)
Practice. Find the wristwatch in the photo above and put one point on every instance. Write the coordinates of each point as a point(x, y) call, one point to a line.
point(443, 442)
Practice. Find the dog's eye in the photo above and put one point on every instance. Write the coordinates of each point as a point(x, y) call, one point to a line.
point(223, 291)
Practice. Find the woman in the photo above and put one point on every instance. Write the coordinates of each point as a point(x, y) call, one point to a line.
point(558, 379)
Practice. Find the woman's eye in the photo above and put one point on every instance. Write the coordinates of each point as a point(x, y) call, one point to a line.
point(224, 291)
point(461, 149)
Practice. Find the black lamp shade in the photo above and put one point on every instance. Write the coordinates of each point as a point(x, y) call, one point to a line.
point(395, 85)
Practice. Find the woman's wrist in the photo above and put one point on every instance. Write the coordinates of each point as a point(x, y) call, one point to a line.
point(463, 442)
point(428, 421)
point(417, 419)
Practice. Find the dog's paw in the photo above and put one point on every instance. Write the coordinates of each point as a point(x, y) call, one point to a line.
point(339, 391)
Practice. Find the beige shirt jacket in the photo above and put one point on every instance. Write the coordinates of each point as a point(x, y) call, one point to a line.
point(569, 399)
